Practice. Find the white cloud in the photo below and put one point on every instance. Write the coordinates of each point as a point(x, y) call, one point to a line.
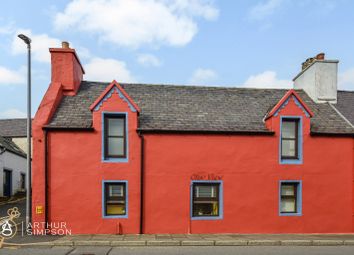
point(7, 29)
point(267, 79)
point(40, 45)
point(8, 76)
point(200, 8)
point(148, 60)
point(82, 52)
point(203, 76)
point(264, 9)
point(12, 113)
point(135, 23)
point(346, 80)
point(100, 69)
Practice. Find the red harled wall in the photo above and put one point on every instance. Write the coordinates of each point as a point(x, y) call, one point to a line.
point(248, 166)
point(250, 170)
point(76, 172)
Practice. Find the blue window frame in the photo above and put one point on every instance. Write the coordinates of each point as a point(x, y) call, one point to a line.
point(115, 199)
point(115, 146)
point(290, 198)
point(290, 140)
point(206, 200)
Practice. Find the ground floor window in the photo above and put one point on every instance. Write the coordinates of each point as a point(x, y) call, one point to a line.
point(206, 199)
point(290, 198)
point(115, 198)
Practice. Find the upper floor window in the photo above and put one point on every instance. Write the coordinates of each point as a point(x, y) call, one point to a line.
point(115, 136)
point(290, 138)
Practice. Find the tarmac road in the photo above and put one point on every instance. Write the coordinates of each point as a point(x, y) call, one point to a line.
point(21, 205)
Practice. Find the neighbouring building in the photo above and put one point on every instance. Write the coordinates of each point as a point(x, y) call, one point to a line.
point(115, 157)
point(15, 129)
point(12, 168)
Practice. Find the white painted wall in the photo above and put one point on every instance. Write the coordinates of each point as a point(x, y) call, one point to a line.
point(319, 81)
point(17, 165)
point(21, 142)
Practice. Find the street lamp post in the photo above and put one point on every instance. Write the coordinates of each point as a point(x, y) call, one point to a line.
point(27, 41)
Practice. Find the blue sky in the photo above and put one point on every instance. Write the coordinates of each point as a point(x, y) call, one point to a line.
point(259, 43)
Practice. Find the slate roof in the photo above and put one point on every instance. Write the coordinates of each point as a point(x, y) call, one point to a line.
point(345, 104)
point(7, 144)
point(195, 108)
point(13, 127)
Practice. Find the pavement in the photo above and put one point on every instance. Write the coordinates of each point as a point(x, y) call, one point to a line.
point(184, 250)
point(158, 240)
point(183, 240)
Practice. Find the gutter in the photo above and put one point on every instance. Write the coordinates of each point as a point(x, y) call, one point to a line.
point(68, 128)
point(332, 134)
point(46, 176)
point(210, 132)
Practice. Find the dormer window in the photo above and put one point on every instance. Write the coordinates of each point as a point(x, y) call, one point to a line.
point(115, 136)
point(290, 139)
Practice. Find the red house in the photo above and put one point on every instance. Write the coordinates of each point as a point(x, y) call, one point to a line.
point(111, 157)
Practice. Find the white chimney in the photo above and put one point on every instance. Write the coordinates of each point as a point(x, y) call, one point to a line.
point(318, 79)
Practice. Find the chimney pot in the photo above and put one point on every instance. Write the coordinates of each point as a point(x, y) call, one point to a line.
point(65, 45)
point(320, 56)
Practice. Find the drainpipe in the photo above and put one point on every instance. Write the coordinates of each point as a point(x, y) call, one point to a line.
point(142, 163)
point(46, 176)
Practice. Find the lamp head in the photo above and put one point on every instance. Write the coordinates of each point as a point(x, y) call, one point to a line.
point(26, 39)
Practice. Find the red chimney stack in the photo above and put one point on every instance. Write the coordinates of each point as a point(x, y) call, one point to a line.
point(66, 68)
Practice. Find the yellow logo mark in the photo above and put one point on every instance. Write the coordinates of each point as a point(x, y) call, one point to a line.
point(39, 209)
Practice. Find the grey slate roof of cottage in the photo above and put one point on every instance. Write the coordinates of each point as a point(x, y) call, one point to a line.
point(345, 104)
point(13, 127)
point(9, 145)
point(195, 108)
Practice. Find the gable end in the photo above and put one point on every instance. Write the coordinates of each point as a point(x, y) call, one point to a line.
point(114, 87)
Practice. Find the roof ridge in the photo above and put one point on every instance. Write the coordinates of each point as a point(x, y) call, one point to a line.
point(346, 91)
point(186, 85)
point(15, 119)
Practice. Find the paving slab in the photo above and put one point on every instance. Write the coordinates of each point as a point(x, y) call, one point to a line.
point(327, 242)
point(129, 243)
point(197, 243)
point(231, 242)
point(296, 242)
point(163, 243)
point(264, 242)
point(92, 243)
point(348, 242)
point(63, 243)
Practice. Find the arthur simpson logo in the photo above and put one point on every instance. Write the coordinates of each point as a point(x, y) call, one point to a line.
point(46, 228)
point(8, 227)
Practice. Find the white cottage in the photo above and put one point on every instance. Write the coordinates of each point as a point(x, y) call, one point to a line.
point(12, 168)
